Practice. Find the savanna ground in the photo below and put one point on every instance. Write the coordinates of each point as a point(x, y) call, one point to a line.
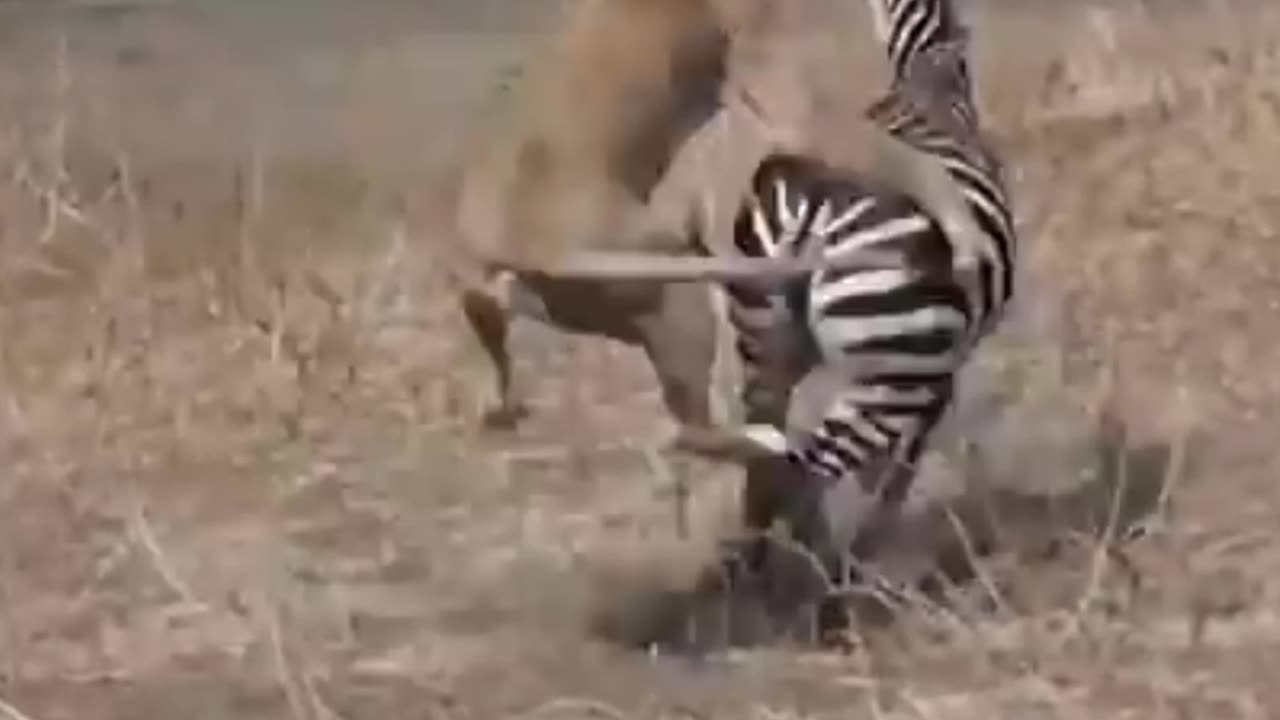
point(240, 470)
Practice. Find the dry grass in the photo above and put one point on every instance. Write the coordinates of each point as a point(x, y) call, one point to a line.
point(241, 476)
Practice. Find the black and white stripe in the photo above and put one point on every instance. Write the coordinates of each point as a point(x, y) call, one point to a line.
point(898, 334)
point(917, 26)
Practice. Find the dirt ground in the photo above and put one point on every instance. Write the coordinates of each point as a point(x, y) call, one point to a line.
point(241, 473)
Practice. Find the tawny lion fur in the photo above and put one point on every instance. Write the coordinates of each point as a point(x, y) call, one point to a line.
point(567, 164)
point(575, 148)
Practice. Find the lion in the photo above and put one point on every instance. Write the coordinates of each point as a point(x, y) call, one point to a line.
point(551, 214)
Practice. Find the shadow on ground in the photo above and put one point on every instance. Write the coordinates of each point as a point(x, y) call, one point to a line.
point(962, 536)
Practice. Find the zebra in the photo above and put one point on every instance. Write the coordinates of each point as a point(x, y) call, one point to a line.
point(899, 335)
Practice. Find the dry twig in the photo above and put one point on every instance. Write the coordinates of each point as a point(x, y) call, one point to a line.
point(12, 712)
point(142, 534)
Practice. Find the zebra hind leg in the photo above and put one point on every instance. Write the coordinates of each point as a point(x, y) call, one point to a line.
point(847, 523)
point(878, 591)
